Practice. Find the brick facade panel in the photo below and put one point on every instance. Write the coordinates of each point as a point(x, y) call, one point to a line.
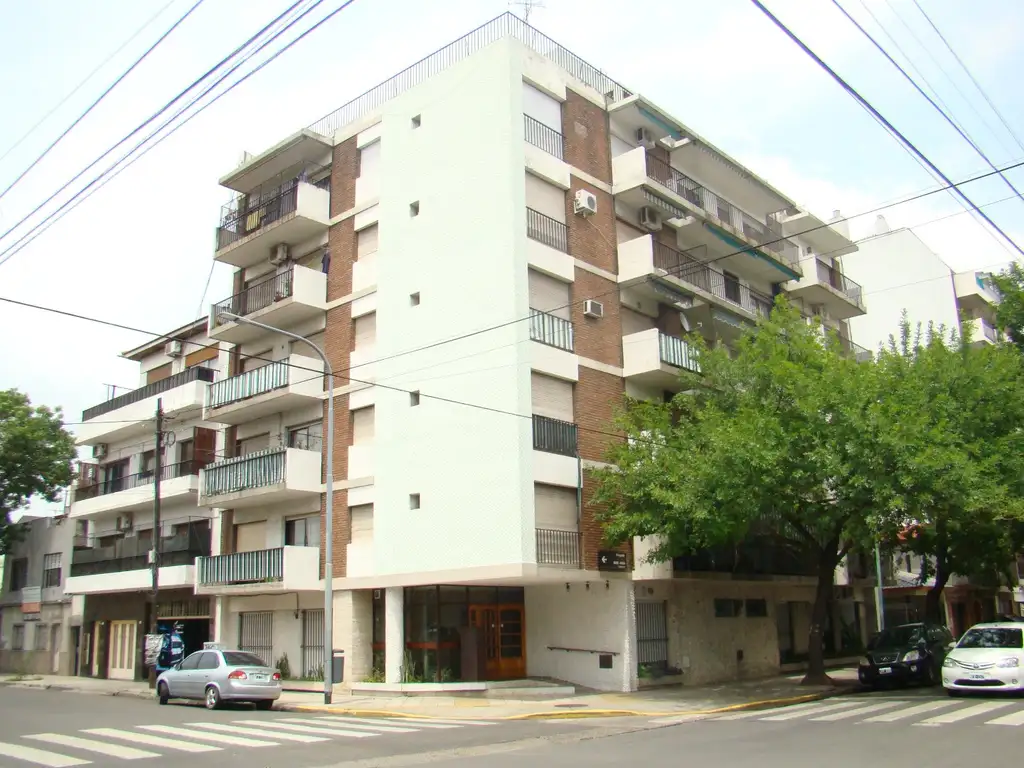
point(344, 172)
point(585, 127)
point(600, 338)
point(592, 531)
point(598, 400)
point(592, 238)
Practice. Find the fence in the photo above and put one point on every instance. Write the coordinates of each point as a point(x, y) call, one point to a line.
point(551, 330)
point(677, 352)
point(833, 277)
point(546, 230)
point(556, 547)
point(150, 390)
point(263, 565)
point(652, 633)
point(255, 470)
point(239, 221)
point(257, 296)
point(313, 643)
point(264, 379)
point(543, 136)
point(256, 634)
point(554, 436)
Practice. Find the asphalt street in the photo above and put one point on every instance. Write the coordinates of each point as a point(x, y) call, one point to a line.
point(59, 729)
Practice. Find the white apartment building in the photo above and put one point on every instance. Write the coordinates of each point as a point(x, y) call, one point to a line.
point(918, 281)
point(492, 249)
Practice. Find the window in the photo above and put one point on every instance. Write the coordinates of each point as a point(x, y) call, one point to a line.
point(40, 637)
point(191, 662)
point(414, 208)
point(366, 242)
point(414, 398)
point(19, 574)
point(208, 660)
point(242, 659)
point(416, 121)
point(362, 522)
point(302, 532)
point(18, 638)
point(732, 287)
point(51, 570)
point(365, 331)
point(308, 437)
point(148, 464)
point(757, 608)
point(414, 299)
point(363, 425)
point(414, 501)
point(159, 374)
point(253, 444)
point(728, 609)
point(992, 637)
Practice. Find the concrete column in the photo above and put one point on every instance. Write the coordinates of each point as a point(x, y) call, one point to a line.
point(630, 677)
point(360, 658)
point(394, 633)
point(220, 608)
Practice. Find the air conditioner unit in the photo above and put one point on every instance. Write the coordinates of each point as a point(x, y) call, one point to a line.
point(650, 219)
point(99, 450)
point(593, 308)
point(280, 255)
point(644, 138)
point(174, 348)
point(124, 522)
point(585, 203)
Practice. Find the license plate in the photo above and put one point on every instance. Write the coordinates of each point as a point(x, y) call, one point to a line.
point(259, 678)
point(885, 670)
point(976, 676)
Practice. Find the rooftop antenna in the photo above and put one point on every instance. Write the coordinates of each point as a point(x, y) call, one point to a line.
point(527, 7)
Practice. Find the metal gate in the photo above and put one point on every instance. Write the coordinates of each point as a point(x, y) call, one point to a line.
point(652, 633)
point(256, 634)
point(313, 643)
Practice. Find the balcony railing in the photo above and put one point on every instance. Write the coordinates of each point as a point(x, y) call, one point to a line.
point(249, 384)
point(255, 470)
point(256, 297)
point(243, 567)
point(546, 230)
point(551, 330)
point(554, 436)
point(859, 353)
point(685, 267)
point(543, 136)
point(677, 352)
point(150, 390)
point(237, 222)
point(989, 330)
point(757, 231)
point(138, 480)
point(558, 547)
point(131, 553)
point(831, 276)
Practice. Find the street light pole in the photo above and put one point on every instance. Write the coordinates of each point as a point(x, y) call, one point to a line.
point(329, 506)
point(879, 599)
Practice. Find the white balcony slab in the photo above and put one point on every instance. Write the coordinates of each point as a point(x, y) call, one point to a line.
point(282, 300)
point(267, 477)
point(170, 577)
point(652, 358)
point(285, 569)
point(546, 166)
point(280, 386)
point(555, 362)
point(842, 297)
point(176, 490)
point(555, 469)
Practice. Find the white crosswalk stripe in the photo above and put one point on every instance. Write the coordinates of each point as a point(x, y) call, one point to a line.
point(963, 714)
point(420, 723)
point(91, 745)
point(879, 711)
point(1016, 718)
point(39, 756)
point(153, 741)
point(322, 730)
point(846, 714)
point(216, 738)
point(903, 714)
point(796, 710)
point(331, 722)
point(791, 713)
point(279, 736)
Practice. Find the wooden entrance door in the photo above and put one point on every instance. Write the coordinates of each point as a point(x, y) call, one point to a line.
point(502, 640)
point(121, 665)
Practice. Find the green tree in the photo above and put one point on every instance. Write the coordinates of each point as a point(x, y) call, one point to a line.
point(954, 439)
point(1010, 310)
point(769, 442)
point(35, 458)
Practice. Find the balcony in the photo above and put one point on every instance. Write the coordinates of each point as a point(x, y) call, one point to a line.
point(975, 291)
point(655, 359)
point(558, 548)
point(543, 137)
point(554, 436)
point(130, 415)
point(279, 386)
point(266, 477)
point(296, 212)
point(283, 569)
point(824, 284)
point(179, 483)
point(641, 179)
point(551, 330)
point(546, 230)
point(123, 564)
point(281, 300)
point(983, 332)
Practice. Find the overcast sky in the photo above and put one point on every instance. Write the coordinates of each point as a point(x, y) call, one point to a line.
point(140, 250)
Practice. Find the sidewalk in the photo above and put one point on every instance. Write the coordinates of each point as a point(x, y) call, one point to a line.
point(663, 702)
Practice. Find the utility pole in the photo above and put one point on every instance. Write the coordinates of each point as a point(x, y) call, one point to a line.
point(154, 553)
point(879, 587)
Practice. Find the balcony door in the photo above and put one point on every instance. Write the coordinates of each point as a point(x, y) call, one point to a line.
point(122, 651)
point(502, 640)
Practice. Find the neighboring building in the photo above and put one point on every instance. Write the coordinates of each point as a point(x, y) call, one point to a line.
point(40, 623)
point(499, 178)
point(917, 281)
point(113, 499)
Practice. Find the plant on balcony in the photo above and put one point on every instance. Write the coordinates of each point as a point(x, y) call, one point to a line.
point(35, 458)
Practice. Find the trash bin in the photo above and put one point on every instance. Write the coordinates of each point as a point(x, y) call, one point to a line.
point(337, 666)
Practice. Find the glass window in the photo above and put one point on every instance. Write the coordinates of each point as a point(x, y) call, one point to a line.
point(18, 639)
point(51, 570)
point(728, 609)
point(421, 614)
point(992, 637)
point(19, 574)
point(242, 659)
point(898, 637)
point(302, 532)
point(209, 661)
point(757, 608)
point(192, 662)
point(308, 437)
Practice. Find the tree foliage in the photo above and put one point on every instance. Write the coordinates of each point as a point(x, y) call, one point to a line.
point(35, 457)
point(1010, 310)
point(770, 441)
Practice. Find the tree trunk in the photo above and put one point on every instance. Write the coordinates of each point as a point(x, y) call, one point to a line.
point(827, 562)
point(933, 599)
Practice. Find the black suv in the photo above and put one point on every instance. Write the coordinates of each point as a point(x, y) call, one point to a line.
point(907, 653)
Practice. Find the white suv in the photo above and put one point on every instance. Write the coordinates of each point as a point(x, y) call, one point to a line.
point(989, 657)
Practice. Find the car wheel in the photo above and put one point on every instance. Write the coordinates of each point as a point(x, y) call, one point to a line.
point(264, 705)
point(212, 697)
point(163, 695)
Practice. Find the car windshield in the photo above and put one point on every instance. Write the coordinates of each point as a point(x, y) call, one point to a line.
point(992, 637)
point(242, 659)
point(897, 637)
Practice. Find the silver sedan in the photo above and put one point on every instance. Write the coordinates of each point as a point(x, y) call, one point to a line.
point(217, 675)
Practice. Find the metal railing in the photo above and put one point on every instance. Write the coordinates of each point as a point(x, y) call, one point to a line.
point(989, 331)
point(554, 436)
point(551, 330)
point(256, 297)
point(546, 230)
point(255, 470)
point(264, 379)
point(756, 231)
point(263, 565)
point(556, 547)
point(831, 276)
point(249, 214)
point(505, 25)
point(150, 390)
point(677, 352)
point(138, 480)
point(131, 553)
point(544, 136)
point(685, 267)
point(859, 353)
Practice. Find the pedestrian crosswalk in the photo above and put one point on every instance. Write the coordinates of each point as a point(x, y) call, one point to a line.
point(139, 742)
point(874, 711)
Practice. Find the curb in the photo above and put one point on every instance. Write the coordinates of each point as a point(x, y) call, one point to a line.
point(567, 714)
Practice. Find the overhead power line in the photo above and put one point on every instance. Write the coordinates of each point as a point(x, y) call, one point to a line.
point(100, 98)
point(888, 125)
point(936, 107)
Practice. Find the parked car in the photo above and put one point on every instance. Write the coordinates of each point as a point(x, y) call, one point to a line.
point(989, 656)
point(906, 653)
point(219, 675)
